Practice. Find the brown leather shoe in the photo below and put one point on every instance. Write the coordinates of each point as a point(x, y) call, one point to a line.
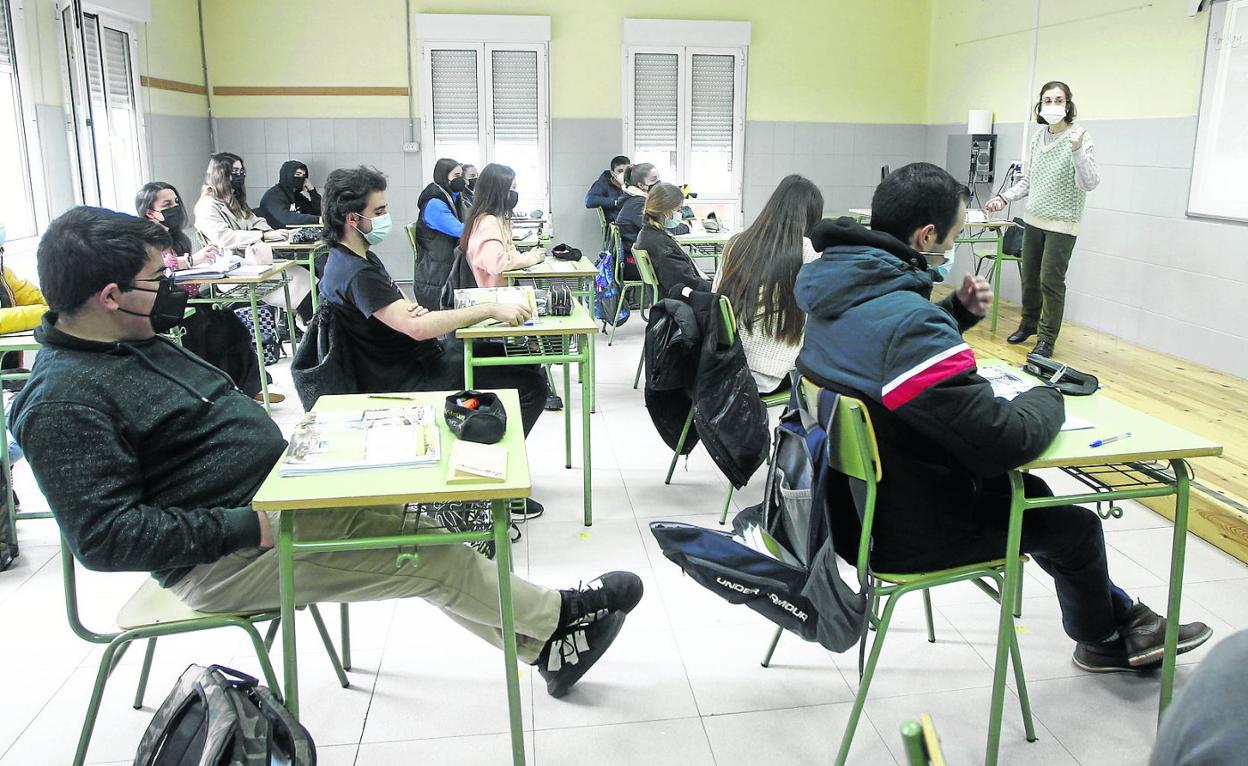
point(274, 397)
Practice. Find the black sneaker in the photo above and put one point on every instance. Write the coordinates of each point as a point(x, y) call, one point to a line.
point(531, 510)
point(1144, 635)
point(569, 654)
point(554, 402)
point(611, 592)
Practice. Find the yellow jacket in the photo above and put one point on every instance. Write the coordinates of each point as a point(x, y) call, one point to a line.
point(21, 304)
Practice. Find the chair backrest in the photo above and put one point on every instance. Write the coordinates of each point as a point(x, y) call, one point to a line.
point(615, 246)
point(602, 219)
point(70, 577)
point(920, 742)
point(729, 319)
point(645, 267)
point(854, 453)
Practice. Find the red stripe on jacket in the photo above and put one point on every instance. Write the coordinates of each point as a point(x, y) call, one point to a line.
point(928, 377)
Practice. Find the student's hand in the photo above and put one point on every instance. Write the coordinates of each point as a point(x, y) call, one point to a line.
point(266, 530)
point(415, 310)
point(207, 255)
point(511, 314)
point(976, 294)
point(995, 205)
point(1076, 138)
point(276, 235)
point(308, 185)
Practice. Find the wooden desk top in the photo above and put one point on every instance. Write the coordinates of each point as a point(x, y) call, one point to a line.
point(390, 486)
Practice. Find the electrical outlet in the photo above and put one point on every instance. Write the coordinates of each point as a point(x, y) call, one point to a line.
point(1016, 166)
point(411, 147)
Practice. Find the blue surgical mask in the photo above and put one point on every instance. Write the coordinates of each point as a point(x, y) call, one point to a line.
point(941, 270)
point(674, 221)
point(380, 230)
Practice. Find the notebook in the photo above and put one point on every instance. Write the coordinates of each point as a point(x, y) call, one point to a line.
point(1008, 383)
point(472, 461)
point(398, 437)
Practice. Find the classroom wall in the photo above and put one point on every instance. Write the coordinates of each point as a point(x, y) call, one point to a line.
point(1142, 269)
point(813, 88)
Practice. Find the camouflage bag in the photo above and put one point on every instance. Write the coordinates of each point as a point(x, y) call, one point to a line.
point(216, 716)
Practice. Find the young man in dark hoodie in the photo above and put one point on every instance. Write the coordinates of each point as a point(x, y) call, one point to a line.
point(149, 458)
point(294, 201)
point(945, 441)
point(607, 192)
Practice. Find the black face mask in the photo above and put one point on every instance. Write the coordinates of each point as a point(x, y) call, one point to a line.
point(239, 182)
point(457, 185)
point(513, 199)
point(169, 307)
point(175, 218)
point(471, 183)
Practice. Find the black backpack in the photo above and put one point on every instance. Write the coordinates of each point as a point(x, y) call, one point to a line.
point(780, 561)
point(216, 716)
point(460, 277)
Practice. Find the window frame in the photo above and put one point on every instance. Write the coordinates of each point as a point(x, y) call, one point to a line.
point(28, 124)
point(485, 105)
point(684, 109)
point(79, 135)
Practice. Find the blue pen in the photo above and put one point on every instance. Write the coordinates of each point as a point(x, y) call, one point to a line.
point(1110, 439)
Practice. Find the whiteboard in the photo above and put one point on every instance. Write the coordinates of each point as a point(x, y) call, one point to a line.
point(1220, 167)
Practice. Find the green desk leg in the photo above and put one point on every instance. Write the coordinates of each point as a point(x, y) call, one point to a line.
point(1005, 625)
point(996, 279)
point(502, 559)
point(255, 334)
point(290, 314)
point(10, 509)
point(587, 394)
point(316, 299)
point(468, 363)
point(1178, 551)
point(286, 593)
point(567, 408)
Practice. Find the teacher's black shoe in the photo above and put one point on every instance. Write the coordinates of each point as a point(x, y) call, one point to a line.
point(1021, 335)
point(1043, 348)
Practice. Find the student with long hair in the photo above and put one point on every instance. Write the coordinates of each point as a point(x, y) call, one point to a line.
point(224, 219)
point(757, 274)
point(672, 264)
point(631, 220)
point(1061, 172)
point(486, 241)
point(439, 225)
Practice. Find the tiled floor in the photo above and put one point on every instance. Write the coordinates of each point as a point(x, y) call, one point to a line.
point(682, 685)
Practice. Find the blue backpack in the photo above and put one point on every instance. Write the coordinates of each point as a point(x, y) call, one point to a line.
point(791, 578)
point(607, 293)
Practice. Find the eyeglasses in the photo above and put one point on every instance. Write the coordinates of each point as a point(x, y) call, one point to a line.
point(238, 172)
point(165, 273)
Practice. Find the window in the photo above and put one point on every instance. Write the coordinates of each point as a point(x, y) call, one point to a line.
point(1218, 188)
point(107, 127)
point(22, 205)
point(487, 102)
point(684, 112)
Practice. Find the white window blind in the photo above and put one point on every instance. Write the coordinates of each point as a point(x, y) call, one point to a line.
point(95, 65)
point(119, 77)
point(515, 96)
point(6, 47)
point(455, 116)
point(17, 199)
point(711, 96)
point(656, 110)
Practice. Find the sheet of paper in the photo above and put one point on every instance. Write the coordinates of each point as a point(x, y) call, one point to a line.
point(1006, 383)
point(1076, 423)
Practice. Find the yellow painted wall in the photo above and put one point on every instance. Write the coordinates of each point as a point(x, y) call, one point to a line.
point(168, 49)
point(816, 60)
point(1122, 58)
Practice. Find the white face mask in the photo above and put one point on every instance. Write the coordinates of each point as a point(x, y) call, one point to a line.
point(1052, 113)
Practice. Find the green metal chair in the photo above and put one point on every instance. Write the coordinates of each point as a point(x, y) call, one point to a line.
point(603, 224)
point(153, 612)
point(411, 240)
point(616, 246)
point(650, 279)
point(853, 452)
point(921, 743)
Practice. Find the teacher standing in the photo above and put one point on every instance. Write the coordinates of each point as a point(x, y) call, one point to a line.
point(1061, 172)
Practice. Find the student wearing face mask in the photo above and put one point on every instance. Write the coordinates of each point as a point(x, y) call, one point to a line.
point(487, 242)
point(470, 187)
point(217, 337)
point(631, 221)
point(439, 225)
point(1061, 172)
point(294, 200)
point(607, 192)
point(946, 442)
point(672, 264)
point(223, 218)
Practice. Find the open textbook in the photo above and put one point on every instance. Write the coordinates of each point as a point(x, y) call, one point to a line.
point(354, 439)
point(1007, 383)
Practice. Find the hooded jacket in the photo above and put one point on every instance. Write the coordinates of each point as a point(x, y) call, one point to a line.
point(604, 193)
point(435, 247)
point(945, 441)
point(21, 302)
point(287, 204)
point(148, 455)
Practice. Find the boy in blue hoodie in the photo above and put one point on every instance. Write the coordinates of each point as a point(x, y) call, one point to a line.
point(946, 442)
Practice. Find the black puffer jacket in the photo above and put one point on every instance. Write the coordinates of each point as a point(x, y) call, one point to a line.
point(688, 364)
point(437, 250)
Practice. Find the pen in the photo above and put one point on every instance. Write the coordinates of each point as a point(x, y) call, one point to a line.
point(1058, 375)
point(1109, 439)
point(385, 396)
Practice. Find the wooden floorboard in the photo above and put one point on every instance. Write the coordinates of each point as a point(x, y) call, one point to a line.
point(1198, 399)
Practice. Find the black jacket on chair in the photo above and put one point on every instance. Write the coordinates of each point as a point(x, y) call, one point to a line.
point(323, 362)
point(688, 364)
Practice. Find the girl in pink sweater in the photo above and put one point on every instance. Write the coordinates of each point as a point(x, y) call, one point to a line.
point(486, 241)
